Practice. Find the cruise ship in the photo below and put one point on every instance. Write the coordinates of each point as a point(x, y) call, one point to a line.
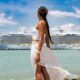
point(18, 41)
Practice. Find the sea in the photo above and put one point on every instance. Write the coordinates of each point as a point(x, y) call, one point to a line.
point(16, 64)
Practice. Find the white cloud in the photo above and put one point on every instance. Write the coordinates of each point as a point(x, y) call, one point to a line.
point(76, 10)
point(25, 30)
point(6, 20)
point(54, 30)
point(68, 27)
point(22, 30)
point(65, 29)
point(57, 13)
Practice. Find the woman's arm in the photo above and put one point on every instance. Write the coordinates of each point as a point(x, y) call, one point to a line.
point(41, 28)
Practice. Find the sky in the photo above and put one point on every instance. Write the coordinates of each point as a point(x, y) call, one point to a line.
point(20, 16)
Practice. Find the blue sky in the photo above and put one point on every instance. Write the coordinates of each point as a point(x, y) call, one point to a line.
point(21, 15)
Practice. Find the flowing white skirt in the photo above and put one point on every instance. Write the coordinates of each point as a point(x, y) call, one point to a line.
point(50, 61)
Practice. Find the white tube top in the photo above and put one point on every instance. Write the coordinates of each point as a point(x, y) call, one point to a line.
point(35, 34)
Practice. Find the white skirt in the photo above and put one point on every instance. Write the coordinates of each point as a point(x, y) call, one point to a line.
point(50, 61)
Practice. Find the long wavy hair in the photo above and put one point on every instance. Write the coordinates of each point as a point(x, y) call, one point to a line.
point(43, 11)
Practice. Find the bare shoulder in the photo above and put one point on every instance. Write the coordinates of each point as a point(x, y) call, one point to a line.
point(42, 24)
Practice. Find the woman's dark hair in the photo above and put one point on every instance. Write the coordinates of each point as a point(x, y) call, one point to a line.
point(42, 11)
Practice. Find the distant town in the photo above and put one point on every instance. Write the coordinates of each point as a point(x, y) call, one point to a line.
point(21, 41)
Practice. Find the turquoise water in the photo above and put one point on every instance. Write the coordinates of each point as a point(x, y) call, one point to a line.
point(16, 64)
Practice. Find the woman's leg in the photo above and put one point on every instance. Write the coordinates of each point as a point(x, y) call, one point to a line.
point(38, 75)
point(45, 73)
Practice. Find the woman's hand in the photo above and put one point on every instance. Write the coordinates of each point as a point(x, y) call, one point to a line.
point(37, 57)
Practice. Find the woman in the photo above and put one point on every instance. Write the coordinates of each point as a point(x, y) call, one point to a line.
point(46, 65)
